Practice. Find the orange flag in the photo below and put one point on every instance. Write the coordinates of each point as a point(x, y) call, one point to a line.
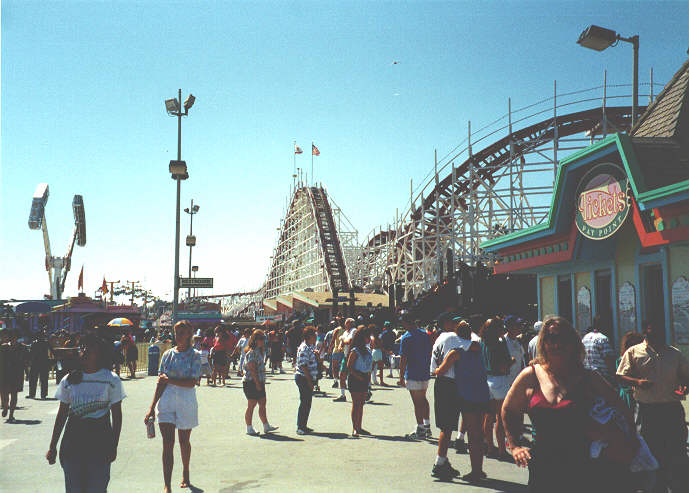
point(104, 287)
point(315, 151)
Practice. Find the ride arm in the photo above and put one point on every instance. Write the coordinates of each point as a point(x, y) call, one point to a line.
point(46, 245)
point(68, 259)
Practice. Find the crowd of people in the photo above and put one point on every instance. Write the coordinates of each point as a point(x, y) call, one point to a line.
point(597, 422)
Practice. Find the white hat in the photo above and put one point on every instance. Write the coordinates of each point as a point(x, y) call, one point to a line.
point(538, 326)
point(198, 333)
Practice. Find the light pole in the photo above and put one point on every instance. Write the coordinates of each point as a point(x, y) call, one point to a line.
point(178, 170)
point(191, 239)
point(599, 38)
point(194, 269)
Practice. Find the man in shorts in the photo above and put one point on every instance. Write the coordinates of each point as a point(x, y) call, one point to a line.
point(415, 361)
point(337, 354)
point(445, 396)
point(346, 337)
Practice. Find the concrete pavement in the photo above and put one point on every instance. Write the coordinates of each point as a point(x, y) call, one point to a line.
point(224, 459)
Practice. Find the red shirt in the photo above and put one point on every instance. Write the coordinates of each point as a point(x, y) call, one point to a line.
point(230, 343)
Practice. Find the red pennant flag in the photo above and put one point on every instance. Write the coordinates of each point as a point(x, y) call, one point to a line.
point(315, 151)
point(80, 284)
point(104, 287)
point(297, 149)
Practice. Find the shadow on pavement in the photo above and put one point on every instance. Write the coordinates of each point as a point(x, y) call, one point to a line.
point(498, 485)
point(239, 486)
point(374, 403)
point(332, 435)
point(195, 489)
point(24, 422)
point(280, 438)
point(389, 438)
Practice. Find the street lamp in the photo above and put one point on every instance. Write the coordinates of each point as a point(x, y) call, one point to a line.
point(194, 269)
point(599, 38)
point(191, 239)
point(178, 170)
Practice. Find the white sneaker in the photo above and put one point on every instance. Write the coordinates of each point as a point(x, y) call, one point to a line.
point(269, 428)
point(251, 432)
point(300, 431)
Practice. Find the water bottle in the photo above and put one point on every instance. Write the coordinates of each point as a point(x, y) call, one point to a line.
point(150, 427)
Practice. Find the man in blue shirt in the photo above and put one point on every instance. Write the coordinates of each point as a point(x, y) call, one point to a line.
point(415, 362)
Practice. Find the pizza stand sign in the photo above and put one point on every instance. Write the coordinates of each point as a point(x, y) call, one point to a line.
point(602, 204)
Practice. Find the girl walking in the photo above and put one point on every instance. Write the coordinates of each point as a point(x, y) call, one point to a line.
point(359, 364)
point(254, 382)
point(88, 397)
point(174, 402)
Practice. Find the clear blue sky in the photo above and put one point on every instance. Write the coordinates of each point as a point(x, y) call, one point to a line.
point(83, 85)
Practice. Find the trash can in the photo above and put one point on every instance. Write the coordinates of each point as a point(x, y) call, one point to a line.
point(153, 360)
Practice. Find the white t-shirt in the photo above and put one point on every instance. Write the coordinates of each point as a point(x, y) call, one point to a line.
point(446, 342)
point(347, 340)
point(533, 347)
point(93, 396)
point(517, 352)
point(241, 344)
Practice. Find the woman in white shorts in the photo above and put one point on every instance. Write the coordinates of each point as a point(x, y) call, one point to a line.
point(497, 361)
point(175, 396)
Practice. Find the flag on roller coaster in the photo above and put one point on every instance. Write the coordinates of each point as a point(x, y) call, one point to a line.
point(80, 284)
point(104, 287)
point(297, 149)
point(314, 150)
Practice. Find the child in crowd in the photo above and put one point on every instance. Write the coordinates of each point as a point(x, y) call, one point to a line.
point(206, 370)
point(377, 352)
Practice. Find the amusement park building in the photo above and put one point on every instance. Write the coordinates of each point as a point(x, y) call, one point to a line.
point(616, 240)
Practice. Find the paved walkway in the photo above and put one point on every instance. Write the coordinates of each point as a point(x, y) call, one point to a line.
point(224, 459)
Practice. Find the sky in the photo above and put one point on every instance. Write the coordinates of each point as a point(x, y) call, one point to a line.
point(83, 86)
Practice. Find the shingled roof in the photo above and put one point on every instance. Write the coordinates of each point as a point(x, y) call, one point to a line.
point(666, 116)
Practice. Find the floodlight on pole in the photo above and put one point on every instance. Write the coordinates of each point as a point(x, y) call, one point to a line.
point(189, 102)
point(191, 239)
point(172, 106)
point(178, 171)
point(599, 38)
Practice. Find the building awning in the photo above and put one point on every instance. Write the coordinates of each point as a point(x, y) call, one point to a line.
point(271, 304)
point(33, 307)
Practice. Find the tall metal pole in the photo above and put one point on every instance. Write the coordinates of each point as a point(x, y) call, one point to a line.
point(175, 299)
point(635, 96)
point(191, 233)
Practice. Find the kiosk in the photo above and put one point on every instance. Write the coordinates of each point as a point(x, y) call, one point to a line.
point(616, 240)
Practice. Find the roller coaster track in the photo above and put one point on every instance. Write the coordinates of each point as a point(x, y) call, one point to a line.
point(309, 253)
point(470, 197)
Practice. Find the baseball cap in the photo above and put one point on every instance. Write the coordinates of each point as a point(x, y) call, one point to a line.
point(538, 326)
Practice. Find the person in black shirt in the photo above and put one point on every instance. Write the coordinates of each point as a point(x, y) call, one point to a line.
point(39, 359)
point(387, 338)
